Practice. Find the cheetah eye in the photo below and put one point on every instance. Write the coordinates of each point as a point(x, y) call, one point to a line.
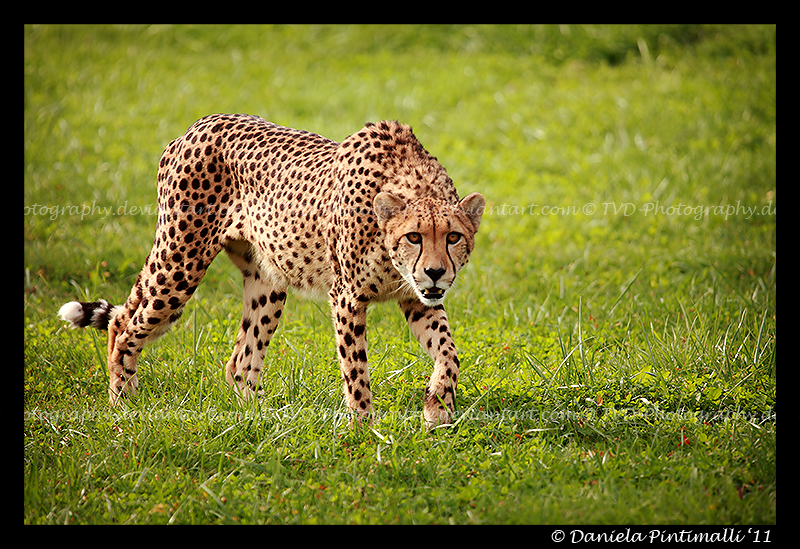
point(452, 238)
point(414, 238)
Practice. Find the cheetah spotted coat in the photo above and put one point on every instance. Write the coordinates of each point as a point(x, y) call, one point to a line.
point(372, 218)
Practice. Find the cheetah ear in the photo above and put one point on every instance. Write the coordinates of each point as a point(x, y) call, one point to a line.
point(387, 206)
point(473, 205)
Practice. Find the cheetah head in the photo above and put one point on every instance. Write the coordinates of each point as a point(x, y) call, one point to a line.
point(429, 240)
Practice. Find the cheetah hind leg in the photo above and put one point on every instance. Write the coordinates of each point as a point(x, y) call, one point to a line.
point(104, 316)
point(263, 303)
point(135, 324)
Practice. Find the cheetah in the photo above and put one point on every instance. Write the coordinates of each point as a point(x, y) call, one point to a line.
point(373, 218)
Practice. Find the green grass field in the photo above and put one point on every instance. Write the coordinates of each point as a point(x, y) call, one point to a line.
point(616, 322)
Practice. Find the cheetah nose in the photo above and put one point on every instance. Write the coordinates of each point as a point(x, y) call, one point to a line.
point(434, 274)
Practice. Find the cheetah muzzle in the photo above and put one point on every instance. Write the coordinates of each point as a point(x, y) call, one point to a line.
point(372, 218)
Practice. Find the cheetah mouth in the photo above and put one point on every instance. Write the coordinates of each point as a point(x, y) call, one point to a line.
point(432, 296)
point(433, 293)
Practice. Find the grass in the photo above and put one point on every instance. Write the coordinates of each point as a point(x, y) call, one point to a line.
point(616, 323)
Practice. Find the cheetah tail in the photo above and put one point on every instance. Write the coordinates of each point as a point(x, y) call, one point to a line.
point(96, 314)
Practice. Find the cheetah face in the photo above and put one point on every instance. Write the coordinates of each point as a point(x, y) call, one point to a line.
point(428, 240)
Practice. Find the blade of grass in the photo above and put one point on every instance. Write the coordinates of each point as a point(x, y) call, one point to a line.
point(756, 352)
point(586, 369)
point(625, 290)
point(529, 358)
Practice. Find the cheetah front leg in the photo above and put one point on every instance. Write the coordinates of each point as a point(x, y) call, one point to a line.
point(350, 320)
point(429, 325)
